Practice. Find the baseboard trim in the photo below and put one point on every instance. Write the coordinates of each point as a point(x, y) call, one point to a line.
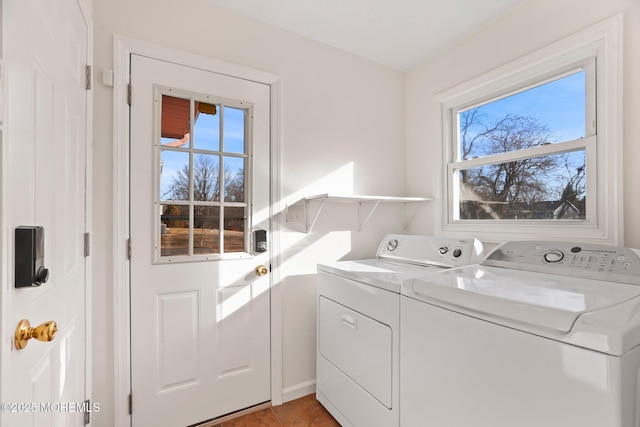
point(298, 390)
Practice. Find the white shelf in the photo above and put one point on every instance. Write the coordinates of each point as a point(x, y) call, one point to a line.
point(307, 210)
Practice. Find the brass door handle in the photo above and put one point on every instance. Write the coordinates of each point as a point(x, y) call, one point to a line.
point(261, 270)
point(24, 332)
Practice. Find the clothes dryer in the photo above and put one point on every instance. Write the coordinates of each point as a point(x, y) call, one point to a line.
point(358, 323)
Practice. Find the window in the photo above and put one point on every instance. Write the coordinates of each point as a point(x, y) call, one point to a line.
point(523, 156)
point(201, 195)
point(531, 149)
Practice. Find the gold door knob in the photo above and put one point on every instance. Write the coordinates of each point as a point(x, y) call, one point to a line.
point(24, 332)
point(261, 270)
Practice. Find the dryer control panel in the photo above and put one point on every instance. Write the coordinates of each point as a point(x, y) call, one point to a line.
point(600, 262)
point(430, 250)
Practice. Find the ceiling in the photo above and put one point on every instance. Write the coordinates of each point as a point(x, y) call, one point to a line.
point(398, 33)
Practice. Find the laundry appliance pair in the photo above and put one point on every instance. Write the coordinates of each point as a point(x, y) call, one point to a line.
point(429, 333)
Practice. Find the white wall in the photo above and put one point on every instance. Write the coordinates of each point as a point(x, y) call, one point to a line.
point(344, 125)
point(534, 25)
point(342, 131)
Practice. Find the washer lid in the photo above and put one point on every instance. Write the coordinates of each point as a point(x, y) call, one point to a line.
point(385, 274)
point(538, 301)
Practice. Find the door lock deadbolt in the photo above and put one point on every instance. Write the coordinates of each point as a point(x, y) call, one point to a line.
point(29, 250)
point(260, 241)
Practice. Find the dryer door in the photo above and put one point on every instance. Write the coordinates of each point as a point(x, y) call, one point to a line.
point(359, 346)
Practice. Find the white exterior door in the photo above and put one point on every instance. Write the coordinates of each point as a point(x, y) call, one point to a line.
point(200, 321)
point(44, 139)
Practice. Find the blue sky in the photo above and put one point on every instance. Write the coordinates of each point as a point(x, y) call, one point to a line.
point(560, 105)
point(206, 137)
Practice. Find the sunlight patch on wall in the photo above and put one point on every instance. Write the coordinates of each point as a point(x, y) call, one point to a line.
point(340, 181)
point(304, 256)
point(301, 251)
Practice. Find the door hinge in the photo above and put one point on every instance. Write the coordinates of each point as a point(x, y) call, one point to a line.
point(129, 94)
point(87, 412)
point(130, 403)
point(87, 244)
point(88, 77)
point(129, 249)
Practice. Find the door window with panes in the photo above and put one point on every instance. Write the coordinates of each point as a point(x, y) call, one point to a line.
point(202, 147)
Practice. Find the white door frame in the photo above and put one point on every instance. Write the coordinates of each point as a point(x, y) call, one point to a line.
point(123, 48)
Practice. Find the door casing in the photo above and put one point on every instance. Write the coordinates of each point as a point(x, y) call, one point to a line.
point(123, 48)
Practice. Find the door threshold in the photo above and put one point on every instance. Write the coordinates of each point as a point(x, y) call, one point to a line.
point(219, 420)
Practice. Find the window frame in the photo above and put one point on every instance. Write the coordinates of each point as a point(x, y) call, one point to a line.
point(596, 50)
point(222, 203)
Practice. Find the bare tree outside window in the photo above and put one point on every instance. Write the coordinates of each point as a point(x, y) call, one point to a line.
point(545, 187)
point(206, 188)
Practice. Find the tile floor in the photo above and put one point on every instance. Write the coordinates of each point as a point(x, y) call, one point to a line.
point(303, 412)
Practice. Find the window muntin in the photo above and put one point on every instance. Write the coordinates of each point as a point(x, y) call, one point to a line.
point(521, 153)
point(202, 181)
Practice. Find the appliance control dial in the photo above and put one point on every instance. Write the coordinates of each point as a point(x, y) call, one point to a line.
point(457, 253)
point(554, 256)
point(392, 245)
point(443, 250)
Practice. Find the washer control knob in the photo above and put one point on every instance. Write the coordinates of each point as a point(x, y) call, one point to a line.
point(553, 256)
point(392, 245)
point(457, 253)
point(443, 250)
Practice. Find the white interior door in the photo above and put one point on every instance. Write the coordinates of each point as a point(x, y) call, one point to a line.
point(200, 322)
point(43, 184)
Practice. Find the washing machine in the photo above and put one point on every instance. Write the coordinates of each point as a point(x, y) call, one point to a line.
point(358, 324)
point(538, 334)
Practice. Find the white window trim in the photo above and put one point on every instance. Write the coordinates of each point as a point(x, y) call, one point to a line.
point(605, 41)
